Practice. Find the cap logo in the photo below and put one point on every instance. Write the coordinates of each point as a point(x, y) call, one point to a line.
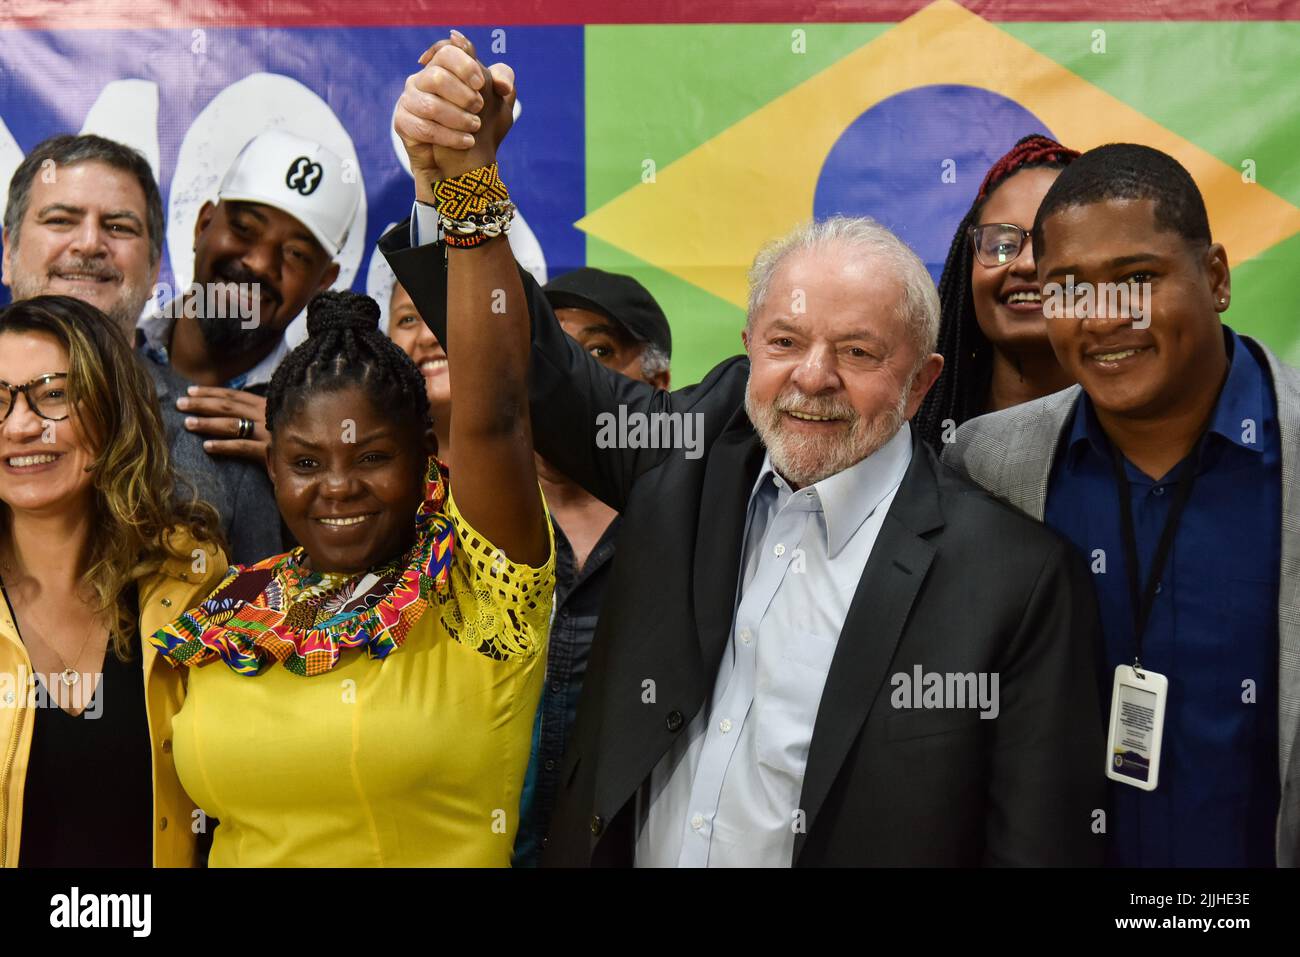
point(303, 176)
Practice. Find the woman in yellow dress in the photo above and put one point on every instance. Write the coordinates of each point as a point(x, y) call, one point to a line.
point(368, 698)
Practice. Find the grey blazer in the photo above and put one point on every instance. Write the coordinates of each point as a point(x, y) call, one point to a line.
point(1010, 454)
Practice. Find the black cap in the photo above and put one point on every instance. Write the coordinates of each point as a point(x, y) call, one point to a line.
point(619, 297)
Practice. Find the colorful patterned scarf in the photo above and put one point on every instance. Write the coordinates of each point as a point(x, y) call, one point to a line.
point(278, 610)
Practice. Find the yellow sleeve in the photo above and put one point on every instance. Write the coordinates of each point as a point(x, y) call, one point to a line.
point(497, 607)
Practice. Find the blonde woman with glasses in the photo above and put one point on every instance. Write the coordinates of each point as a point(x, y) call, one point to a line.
point(96, 548)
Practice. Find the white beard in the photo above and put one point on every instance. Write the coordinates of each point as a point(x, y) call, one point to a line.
point(804, 460)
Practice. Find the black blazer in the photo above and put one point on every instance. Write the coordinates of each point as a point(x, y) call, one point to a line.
point(957, 582)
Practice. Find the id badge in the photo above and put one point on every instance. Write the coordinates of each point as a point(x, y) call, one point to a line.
point(1137, 724)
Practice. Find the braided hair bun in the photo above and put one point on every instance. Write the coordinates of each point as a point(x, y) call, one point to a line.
point(344, 347)
point(339, 310)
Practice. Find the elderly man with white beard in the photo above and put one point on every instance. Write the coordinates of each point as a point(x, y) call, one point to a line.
point(786, 666)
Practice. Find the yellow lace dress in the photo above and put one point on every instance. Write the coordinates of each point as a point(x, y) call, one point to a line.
point(416, 759)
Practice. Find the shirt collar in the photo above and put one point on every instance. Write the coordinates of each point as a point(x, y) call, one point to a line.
point(1240, 400)
point(601, 553)
point(155, 331)
point(849, 497)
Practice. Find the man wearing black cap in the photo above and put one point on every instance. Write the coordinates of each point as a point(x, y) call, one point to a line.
point(621, 325)
point(617, 320)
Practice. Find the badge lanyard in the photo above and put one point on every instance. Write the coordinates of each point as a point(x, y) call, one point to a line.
point(1142, 598)
point(1137, 708)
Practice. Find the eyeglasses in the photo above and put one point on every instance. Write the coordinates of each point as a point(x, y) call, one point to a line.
point(47, 395)
point(997, 244)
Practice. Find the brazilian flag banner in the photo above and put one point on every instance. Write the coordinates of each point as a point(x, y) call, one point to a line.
point(671, 140)
point(705, 141)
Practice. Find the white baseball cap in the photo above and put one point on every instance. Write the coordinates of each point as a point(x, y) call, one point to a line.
point(300, 177)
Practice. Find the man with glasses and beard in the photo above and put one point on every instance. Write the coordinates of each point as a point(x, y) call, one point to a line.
point(786, 665)
point(85, 219)
point(261, 251)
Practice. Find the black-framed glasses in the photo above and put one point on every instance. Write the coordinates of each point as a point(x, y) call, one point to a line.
point(997, 244)
point(47, 395)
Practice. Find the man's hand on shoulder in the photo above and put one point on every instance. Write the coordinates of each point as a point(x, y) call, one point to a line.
point(219, 415)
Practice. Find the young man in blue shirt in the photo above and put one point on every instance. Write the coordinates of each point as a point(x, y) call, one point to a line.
point(1174, 466)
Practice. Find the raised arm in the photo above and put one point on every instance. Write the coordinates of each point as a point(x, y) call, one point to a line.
point(495, 480)
point(572, 395)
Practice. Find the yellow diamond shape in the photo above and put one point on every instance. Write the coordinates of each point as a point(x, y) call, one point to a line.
point(706, 215)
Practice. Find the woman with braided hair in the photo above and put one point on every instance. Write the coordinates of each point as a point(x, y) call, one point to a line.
point(992, 333)
point(368, 698)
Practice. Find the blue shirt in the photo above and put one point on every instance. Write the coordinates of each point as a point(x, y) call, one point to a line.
point(1213, 627)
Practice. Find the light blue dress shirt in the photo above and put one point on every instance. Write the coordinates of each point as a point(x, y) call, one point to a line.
point(727, 793)
point(424, 224)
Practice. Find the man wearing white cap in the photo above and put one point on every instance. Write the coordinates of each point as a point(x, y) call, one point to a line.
point(261, 251)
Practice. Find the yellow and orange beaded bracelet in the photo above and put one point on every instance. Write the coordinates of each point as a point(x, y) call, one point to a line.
point(473, 207)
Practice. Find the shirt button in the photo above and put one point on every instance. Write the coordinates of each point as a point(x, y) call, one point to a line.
point(674, 720)
point(724, 725)
point(555, 686)
point(550, 764)
point(779, 550)
point(1158, 490)
point(597, 826)
point(697, 822)
point(1159, 587)
point(167, 745)
point(166, 602)
point(9, 697)
point(746, 636)
point(162, 824)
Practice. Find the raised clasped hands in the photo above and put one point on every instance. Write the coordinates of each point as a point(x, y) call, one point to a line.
point(454, 113)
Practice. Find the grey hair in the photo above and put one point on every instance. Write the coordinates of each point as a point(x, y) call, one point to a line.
point(654, 360)
point(919, 308)
point(68, 150)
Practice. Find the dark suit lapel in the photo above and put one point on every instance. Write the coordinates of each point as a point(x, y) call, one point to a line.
point(728, 480)
point(890, 582)
point(422, 271)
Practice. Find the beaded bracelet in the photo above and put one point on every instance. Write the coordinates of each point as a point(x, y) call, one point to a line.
point(477, 229)
point(473, 207)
